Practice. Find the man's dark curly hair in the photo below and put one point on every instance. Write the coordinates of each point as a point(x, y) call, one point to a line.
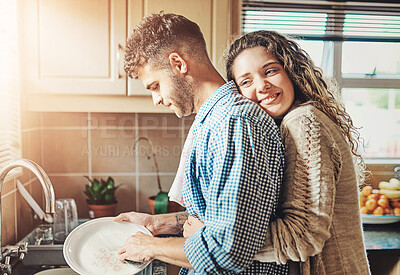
point(158, 35)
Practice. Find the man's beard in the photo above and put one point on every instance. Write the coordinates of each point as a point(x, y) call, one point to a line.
point(183, 95)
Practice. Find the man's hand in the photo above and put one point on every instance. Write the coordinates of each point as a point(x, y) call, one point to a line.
point(171, 223)
point(143, 248)
point(191, 225)
point(138, 218)
point(138, 248)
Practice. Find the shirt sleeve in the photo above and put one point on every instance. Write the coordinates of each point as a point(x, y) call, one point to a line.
point(312, 167)
point(246, 165)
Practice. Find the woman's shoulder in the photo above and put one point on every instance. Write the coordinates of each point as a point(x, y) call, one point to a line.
point(298, 113)
point(304, 121)
point(305, 114)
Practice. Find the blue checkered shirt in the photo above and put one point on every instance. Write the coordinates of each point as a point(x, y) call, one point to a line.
point(232, 182)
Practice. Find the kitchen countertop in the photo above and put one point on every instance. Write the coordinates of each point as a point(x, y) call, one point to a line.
point(155, 268)
point(382, 236)
point(378, 237)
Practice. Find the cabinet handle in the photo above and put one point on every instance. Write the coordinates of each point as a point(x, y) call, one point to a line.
point(120, 49)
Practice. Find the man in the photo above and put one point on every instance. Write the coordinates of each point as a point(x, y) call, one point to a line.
point(234, 168)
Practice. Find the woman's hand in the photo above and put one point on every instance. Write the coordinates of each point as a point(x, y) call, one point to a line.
point(191, 225)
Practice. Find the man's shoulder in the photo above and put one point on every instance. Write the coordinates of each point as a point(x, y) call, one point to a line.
point(240, 107)
point(235, 107)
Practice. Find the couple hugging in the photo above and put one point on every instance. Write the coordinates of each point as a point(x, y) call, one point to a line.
point(269, 173)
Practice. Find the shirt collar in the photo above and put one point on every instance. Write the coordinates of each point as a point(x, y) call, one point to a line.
point(207, 106)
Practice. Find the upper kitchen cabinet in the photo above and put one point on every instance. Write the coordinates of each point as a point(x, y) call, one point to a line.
point(73, 46)
point(72, 51)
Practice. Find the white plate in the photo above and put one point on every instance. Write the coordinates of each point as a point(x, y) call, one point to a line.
point(91, 248)
point(373, 219)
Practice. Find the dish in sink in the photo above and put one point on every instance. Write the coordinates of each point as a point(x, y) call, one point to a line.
point(91, 248)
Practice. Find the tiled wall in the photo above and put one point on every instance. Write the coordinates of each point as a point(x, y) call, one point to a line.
point(69, 146)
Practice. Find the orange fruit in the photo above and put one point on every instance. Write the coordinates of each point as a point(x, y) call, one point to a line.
point(396, 211)
point(388, 211)
point(395, 203)
point(373, 197)
point(364, 210)
point(383, 203)
point(383, 197)
point(378, 211)
point(371, 204)
point(367, 190)
point(361, 199)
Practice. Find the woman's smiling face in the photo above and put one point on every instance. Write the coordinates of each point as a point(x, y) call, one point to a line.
point(261, 78)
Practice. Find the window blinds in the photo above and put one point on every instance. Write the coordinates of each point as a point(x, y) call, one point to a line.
point(325, 20)
point(9, 89)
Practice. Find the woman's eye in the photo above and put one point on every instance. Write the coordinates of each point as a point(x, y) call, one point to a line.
point(270, 71)
point(155, 87)
point(244, 83)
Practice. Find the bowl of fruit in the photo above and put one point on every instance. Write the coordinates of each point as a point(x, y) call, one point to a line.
point(379, 206)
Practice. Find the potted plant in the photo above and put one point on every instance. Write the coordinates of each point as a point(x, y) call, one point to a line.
point(159, 204)
point(101, 197)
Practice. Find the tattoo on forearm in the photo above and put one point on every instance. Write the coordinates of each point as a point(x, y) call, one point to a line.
point(181, 217)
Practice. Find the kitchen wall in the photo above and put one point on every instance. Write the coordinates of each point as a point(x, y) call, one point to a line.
point(69, 146)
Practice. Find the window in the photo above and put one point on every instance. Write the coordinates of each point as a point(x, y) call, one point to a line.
point(382, 107)
point(359, 44)
point(9, 89)
point(373, 59)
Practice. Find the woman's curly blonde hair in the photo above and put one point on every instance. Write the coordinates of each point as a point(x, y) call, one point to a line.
point(308, 82)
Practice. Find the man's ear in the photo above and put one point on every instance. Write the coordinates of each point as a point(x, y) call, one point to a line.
point(178, 64)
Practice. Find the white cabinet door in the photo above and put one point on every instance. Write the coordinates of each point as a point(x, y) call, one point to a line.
point(73, 46)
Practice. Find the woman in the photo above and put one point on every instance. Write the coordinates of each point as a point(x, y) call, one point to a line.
point(318, 228)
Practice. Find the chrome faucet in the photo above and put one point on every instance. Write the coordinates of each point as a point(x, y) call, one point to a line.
point(19, 251)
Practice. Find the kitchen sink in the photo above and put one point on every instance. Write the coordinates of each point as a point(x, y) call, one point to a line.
point(45, 256)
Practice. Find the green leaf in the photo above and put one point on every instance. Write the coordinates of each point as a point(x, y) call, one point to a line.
point(103, 190)
point(108, 198)
point(96, 185)
point(89, 191)
point(100, 192)
point(110, 183)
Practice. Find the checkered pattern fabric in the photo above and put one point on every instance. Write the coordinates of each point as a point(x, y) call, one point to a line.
point(232, 182)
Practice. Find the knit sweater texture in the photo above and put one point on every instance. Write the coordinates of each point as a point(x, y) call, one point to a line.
point(318, 227)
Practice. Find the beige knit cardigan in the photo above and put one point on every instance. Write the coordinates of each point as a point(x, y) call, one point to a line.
point(318, 229)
